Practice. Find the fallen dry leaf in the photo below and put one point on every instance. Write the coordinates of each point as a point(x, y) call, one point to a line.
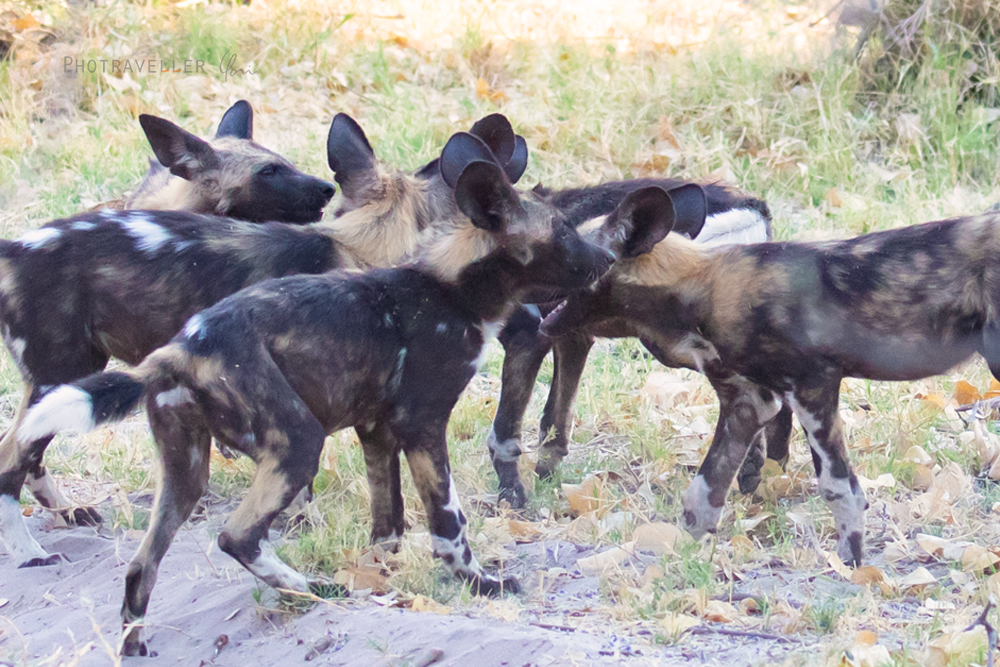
point(747, 525)
point(658, 537)
point(962, 648)
point(918, 454)
point(867, 574)
point(422, 603)
point(965, 393)
point(598, 563)
point(588, 496)
point(675, 624)
point(919, 579)
point(718, 611)
point(978, 559)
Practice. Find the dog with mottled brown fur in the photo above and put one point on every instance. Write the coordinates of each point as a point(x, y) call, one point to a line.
point(791, 320)
point(79, 291)
point(229, 175)
point(274, 368)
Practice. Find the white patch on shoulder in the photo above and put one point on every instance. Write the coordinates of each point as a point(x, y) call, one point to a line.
point(14, 533)
point(83, 225)
point(274, 572)
point(37, 238)
point(489, 331)
point(149, 236)
point(735, 226)
point(176, 396)
point(108, 213)
point(68, 408)
point(193, 327)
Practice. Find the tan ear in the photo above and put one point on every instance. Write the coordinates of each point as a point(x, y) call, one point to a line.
point(178, 150)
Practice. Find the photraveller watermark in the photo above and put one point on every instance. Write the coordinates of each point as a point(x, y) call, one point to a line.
point(227, 66)
point(132, 66)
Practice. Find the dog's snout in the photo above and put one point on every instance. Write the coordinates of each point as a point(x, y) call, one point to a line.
point(327, 190)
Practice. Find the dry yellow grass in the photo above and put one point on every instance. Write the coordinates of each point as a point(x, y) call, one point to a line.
point(758, 93)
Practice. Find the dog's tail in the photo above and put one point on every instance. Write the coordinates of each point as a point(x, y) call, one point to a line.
point(99, 398)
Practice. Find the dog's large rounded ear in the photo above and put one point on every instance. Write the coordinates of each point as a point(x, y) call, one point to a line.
point(690, 209)
point(461, 150)
point(484, 195)
point(518, 161)
point(348, 152)
point(237, 122)
point(640, 221)
point(496, 132)
point(178, 150)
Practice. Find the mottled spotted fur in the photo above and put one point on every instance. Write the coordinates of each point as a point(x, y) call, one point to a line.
point(732, 217)
point(273, 369)
point(79, 291)
point(791, 319)
point(229, 175)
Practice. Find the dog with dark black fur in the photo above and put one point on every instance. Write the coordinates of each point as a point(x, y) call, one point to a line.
point(732, 217)
point(272, 370)
point(230, 175)
point(120, 284)
point(791, 320)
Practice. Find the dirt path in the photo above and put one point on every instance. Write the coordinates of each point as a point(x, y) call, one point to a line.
point(68, 615)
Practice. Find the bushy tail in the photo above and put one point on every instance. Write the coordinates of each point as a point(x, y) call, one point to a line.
point(96, 399)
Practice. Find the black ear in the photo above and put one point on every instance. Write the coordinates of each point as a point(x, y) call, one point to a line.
point(496, 132)
point(484, 195)
point(690, 209)
point(237, 121)
point(461, 150)
point(347, 151)
point(641, 221)
point(518, 161)
point(178, 150)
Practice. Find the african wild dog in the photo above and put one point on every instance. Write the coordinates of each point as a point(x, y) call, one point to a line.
point(231, 175)
point(732, 217)
point(120, 284)
point(273, 369)
point(792, 319)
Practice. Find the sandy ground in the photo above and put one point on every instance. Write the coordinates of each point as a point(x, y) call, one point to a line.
point(68, 615)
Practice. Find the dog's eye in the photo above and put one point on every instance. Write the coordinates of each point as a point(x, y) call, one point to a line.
point(269, 170)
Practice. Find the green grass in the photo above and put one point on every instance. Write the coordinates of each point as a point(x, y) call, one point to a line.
point(787, 119)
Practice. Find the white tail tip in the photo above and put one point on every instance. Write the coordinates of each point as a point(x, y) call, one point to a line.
point(67, 408)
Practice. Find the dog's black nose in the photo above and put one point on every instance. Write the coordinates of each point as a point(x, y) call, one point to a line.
point(328, 190)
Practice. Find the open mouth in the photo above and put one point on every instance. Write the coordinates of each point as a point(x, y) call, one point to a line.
point(562, 319)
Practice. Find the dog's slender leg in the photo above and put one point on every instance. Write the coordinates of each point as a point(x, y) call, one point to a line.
point(17, 461)
point(524, 350)
point(556, 428)
point(184, 445)
point(778, 433)
point(427, 455)
point(775, 438)
point(382, 464)
point(744, 408)
point(287, 460)
point(816, 408)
